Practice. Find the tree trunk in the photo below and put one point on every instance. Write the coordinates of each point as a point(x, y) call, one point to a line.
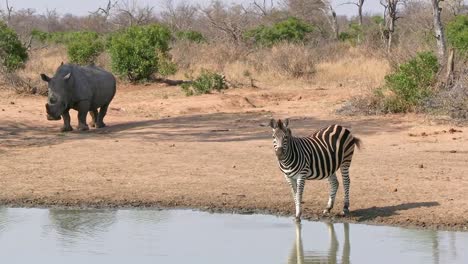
point(439, 32)
point(360, 4)
point(450, 67)
point(391, 28)
point(335, 28)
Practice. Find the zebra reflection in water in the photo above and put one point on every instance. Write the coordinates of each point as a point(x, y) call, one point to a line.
point(298, 256)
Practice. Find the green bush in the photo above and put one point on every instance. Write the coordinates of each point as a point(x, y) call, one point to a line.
point(190, 35)
point(289, 30)
point(134, 51)
point(13, 54)
point(406, 89)
point(352, 35)
point(84, 47)
point(457, 33)
point(165, 66)
point(205, 83)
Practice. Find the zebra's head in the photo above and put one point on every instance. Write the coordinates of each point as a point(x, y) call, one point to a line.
point(281, 136)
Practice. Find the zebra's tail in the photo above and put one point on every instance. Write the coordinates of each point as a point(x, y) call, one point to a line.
point(357, 142)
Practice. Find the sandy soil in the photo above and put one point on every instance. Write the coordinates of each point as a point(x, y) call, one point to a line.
point(214, 152)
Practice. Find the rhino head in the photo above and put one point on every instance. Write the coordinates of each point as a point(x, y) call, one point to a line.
point(59, 94)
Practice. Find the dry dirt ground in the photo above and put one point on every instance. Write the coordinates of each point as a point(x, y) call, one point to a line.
point(214, 152)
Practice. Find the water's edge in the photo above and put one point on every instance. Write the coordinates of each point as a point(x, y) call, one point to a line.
point(240, 211)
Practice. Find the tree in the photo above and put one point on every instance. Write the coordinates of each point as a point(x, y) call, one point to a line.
point(180, 17)
point(439, 31)
point(13, 54)
point(130, 14)
point(232, 22)
point(359, 4)
point(330, 14)
point(391, 16)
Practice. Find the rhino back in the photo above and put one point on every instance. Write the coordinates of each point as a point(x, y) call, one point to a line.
point(94, 84)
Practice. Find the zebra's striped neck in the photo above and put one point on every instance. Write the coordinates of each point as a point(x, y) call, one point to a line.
point(288, 154)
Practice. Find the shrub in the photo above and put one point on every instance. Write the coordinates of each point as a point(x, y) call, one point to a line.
point(134, 51)
point(410, 84)
point(84, 47)
point(287, 59)
point(289, 30)
point(165, 66)
point(205, 83)
point(190, 35)
point(457, 33)
point(352, 35)
point(13, 54)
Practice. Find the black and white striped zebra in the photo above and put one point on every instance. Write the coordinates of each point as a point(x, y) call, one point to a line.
point(315, 157)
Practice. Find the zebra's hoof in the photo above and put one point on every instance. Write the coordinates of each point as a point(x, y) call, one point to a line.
point(326, 212)
point(345, 212)
point(297, 219)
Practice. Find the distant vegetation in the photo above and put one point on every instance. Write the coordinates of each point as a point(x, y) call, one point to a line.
point(13, 54)
point(295, 40)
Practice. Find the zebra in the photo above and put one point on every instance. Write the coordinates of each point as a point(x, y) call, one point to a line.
point(315, 157)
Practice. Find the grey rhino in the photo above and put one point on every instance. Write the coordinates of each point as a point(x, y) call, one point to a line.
point(83, 88)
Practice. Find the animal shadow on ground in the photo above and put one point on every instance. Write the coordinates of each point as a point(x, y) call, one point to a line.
point(217, 127)
point(386, 211)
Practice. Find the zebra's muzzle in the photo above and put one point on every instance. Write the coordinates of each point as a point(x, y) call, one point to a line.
point(279, 152)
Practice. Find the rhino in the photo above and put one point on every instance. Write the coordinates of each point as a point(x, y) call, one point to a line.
point(83, 88)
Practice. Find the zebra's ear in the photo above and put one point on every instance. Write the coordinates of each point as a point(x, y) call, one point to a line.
point(286, 122)
point(272, 123)
point(280, 124)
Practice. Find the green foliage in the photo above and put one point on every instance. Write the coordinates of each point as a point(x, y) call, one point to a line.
point(378, 20)
point(190, 35)
point(289, 30)
point(205, 83)
point(406, 88)
point(352, 35)
point(134, 51)
point(165, 66)
point(457, 33)
point(84, 47)
point(13, 54)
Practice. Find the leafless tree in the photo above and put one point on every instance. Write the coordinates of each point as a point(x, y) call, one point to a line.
point(391, 15)
point(359, 4)
point(330, 14)
point(130, 14)
point(231, 22)
point(180, 17)
point(52, 19)
point(456, 7)
point(264, 8)
point(105, 12)
point(7, 13)
point(439, 31)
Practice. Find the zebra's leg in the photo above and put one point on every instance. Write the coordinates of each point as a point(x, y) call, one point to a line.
point(346, 185)
point(293, 186)
point(300, 189)
point(333, 186)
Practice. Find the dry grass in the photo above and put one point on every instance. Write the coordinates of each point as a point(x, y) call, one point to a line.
point(355, 68)
point(280, 66)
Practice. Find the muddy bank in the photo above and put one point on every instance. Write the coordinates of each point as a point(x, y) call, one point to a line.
point(409, 172)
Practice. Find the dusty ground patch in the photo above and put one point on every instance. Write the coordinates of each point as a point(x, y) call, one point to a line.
point(214, 152)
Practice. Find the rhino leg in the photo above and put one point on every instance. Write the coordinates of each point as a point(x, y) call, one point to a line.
point(94, 115)
point(83, 108)
point(100, 117)
point(66, 122)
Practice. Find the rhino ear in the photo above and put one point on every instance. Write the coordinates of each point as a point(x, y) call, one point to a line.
point(61, 63)
point(45, 78)
point(66, 77)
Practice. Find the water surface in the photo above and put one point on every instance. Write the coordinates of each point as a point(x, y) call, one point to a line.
point(185, 236)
